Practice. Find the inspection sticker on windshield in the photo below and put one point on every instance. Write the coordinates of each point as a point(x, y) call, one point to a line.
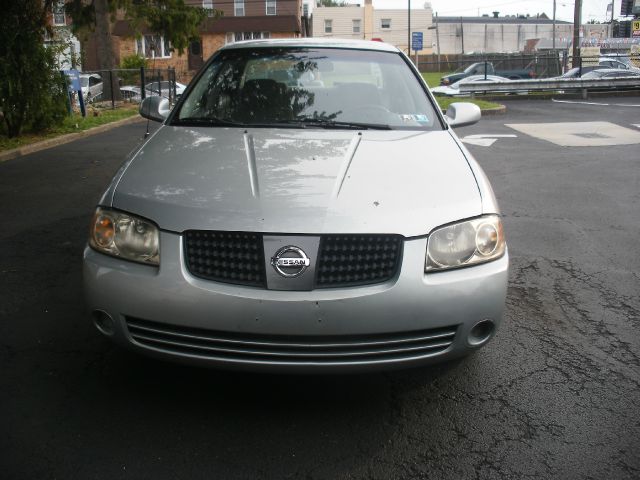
point(420, 118)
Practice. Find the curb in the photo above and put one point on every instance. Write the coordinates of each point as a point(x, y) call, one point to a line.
point(500, 110)
point(62, 139)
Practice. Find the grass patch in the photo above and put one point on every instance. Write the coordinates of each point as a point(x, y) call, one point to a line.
point(433, 78)
point(444, 102)
point(71, 124)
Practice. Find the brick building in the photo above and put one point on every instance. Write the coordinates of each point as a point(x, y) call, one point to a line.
point(240, 20)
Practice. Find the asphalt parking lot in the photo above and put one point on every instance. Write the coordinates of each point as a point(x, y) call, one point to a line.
point(555, 395)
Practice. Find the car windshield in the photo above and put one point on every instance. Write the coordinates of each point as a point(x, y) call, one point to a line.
point(84, 81)
point(308, 87)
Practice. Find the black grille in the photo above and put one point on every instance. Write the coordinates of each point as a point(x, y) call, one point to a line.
point(229, 257)
point(290, 349)
point(349, 260)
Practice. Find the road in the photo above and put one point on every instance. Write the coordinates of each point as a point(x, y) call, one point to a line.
point(555, 395)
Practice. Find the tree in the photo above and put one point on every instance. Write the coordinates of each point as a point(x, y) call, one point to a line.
point(32, 92)
point(177, 22)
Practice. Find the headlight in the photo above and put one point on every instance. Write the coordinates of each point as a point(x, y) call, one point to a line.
point(465, 243)
point(125, 236)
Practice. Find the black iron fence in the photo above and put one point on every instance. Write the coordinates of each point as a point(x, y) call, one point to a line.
point(129, 85)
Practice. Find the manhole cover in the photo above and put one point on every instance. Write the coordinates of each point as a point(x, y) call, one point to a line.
point(591, 135)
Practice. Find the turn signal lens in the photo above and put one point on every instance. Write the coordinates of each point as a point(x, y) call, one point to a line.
point(103, 231)
point(126, 236)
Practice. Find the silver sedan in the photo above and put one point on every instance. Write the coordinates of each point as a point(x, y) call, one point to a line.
point(304, 207)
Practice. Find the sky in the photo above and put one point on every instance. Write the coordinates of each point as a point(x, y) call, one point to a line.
point(591, 9)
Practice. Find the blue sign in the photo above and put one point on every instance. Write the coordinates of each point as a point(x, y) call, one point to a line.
point(416, 41)
point(74, 80)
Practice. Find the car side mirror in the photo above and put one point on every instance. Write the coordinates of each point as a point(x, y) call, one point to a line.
point(155, 108)
point(461, 114)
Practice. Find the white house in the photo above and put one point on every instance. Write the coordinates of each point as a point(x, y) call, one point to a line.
point(365, 22)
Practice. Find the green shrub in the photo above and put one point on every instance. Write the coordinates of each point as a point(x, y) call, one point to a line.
point(132, 62)
point(32, 92)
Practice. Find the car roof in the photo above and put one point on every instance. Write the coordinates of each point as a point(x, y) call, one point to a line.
point(315, 43)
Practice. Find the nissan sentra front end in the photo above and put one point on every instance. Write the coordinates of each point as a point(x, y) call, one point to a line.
point(292, 218)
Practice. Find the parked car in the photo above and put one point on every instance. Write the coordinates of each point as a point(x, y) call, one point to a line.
point(578, 72)
point(130, 93)
point(487, 68)
point(164, 88)
point(611, 73)
point(618, 61)
point(300, 228)
point(91, 86)
point(454, 89)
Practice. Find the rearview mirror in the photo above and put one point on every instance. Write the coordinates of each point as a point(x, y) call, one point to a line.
point(461, 114)
point(155, 108)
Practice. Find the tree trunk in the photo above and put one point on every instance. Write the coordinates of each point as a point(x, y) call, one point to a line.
point(104, 49)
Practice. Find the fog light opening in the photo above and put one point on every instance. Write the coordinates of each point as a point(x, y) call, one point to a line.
point(103, 322)
point(481, 332)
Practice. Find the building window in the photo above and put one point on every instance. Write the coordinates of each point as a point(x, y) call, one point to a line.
point(385, 23)
point(232, 37)
point(208, 6)
point(58, 13)
point(153, 46)
point(328, 26)
point(356, 26)
point(238, 8)
point(271, 7)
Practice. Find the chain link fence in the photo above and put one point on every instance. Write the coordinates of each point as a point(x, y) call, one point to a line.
point(523, 66)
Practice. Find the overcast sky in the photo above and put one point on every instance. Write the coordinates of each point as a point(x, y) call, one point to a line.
point(591, 9)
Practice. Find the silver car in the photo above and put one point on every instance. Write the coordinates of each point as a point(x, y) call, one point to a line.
point(304, 207)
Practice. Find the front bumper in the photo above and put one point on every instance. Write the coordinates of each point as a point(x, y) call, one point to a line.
point(412, 320)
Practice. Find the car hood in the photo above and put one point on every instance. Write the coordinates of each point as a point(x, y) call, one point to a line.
point(299, 181)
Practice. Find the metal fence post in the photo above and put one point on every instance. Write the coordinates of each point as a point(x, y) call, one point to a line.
point(113, 97)
point(142, 83)
point(172, 84)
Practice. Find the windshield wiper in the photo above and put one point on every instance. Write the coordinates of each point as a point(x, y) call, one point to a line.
point(206, 121)
point(325, 123)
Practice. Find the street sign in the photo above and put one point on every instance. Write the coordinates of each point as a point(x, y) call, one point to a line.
point(74, 80)
point(416, 41)
point(635, 28)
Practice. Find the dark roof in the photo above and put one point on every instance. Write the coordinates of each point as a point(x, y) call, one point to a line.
point(509, 20)
point(271, 23)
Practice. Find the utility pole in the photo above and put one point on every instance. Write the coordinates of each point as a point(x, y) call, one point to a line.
point(437, 38)
point(611, 23)
point(462, 34)
point(409, 29)
point(577, 14)
point(554, 27)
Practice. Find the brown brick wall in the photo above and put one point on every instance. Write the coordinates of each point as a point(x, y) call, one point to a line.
point(211, 43)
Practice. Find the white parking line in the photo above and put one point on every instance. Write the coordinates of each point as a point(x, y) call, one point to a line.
point(578, 102)
point(485, 140)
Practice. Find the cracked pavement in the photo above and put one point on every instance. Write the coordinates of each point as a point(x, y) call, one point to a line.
point(555, 395)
